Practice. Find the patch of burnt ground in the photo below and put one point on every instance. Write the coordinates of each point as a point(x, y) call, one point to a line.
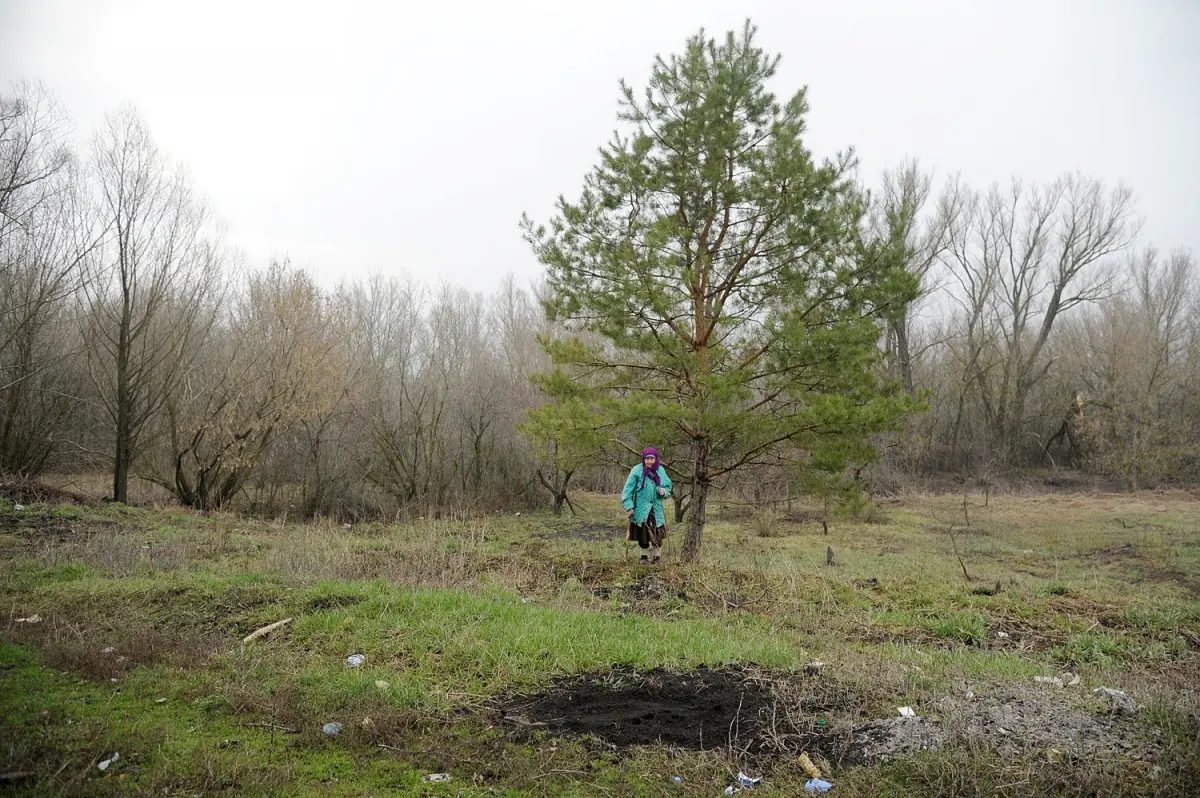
point(762, 715)
point(700, 709)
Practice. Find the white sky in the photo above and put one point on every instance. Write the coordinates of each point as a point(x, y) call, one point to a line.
point(408, 137)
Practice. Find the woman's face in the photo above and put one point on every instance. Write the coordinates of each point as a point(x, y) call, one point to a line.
point(650, 461)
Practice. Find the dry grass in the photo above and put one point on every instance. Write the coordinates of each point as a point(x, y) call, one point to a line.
point(1101, 585)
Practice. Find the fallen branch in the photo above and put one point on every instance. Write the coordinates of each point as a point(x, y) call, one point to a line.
point(270, 726)
point(954, 543)
point(18, 775)
point(271, 627)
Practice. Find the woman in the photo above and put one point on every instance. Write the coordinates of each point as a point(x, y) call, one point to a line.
point(645, 489)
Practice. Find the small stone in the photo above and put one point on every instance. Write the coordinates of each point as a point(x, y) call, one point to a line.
point(1119, 702)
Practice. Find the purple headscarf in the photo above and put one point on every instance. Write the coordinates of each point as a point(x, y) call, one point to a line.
point(651, 473)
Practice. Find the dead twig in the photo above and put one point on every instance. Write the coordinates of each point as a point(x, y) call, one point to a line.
point(954, 543)
point(257, 633)
point(270, 726)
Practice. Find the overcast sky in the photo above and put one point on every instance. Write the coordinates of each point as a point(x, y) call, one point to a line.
point(408, 137)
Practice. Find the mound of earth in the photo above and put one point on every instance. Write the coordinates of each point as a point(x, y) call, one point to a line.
point(1017, 719)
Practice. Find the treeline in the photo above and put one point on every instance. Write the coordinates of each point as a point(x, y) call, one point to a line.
point(134, 340)
point(1047, 334)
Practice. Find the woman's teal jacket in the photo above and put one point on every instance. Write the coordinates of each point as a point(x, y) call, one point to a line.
point(641, 494)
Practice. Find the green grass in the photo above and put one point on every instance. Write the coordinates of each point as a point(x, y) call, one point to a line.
point(455, 615)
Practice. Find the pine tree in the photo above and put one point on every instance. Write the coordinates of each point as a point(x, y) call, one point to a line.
point(720, 280)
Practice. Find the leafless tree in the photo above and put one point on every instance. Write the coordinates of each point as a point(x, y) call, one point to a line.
point(274, 366)
point(920, 238)
point(45, 235)
point(146, 304)
point(1133, 358)
point(1023, 258)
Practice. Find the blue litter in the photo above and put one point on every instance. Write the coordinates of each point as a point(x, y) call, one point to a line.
point(331, 728)
point(817, 785)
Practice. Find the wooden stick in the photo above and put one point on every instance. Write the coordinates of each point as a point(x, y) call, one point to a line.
point(257, 633)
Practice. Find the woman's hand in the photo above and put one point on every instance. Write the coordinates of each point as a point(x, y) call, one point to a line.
point(662, 491)
point(629, 512)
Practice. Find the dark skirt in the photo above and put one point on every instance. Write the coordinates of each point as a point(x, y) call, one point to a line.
point(647, 534)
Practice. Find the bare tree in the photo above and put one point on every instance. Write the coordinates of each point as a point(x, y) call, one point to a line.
point(146, 306)
point(45, 234)
point(1024, 257)
point(274, 366)
point(920, 239)
point(33, 153)
point(1133, 358)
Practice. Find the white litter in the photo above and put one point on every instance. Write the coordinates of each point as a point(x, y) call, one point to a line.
point(1054, 680)
point(108, 762)
point(437, 778)
point(354, 660)
point(35, 618)
point(907, 712)
point(747, 781)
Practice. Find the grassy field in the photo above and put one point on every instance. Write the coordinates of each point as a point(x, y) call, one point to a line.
point(478, 632)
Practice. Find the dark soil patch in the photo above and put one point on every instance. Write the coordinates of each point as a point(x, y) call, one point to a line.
point(34, 492)
point(701, 709)
point(1112, 554)
point(649, 589)
point(589, 532)
point(36, 525)
point(1188, 582)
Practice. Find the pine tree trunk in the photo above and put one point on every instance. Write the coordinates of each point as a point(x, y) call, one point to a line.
point(695, 524)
